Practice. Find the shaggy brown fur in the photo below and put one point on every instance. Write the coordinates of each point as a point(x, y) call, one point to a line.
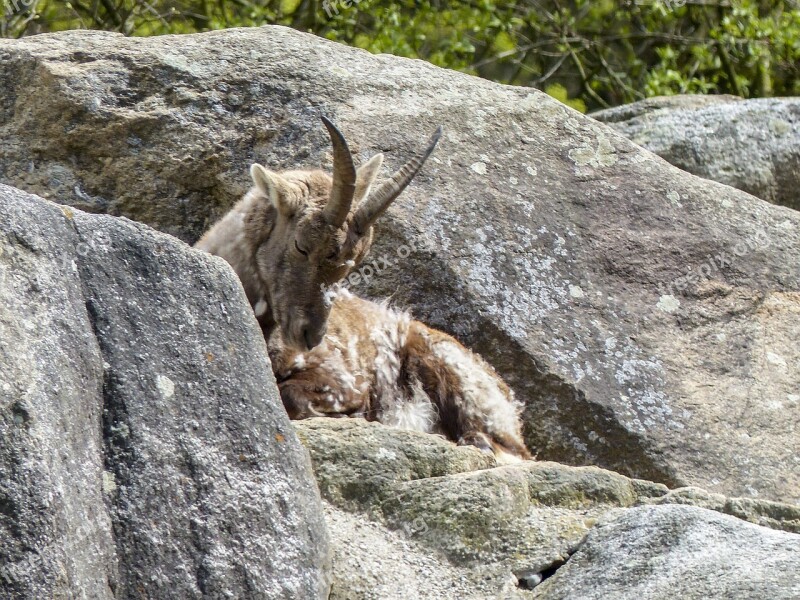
point(379, 364)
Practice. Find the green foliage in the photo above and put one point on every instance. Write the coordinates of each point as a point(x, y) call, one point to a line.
point(559, 92)
point(588, 53)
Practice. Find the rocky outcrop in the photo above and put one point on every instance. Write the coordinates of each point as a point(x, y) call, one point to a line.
point(647, 317)
point(414, 516)
point(372, 561)
point(145, 451)
point(653, 553)
point(752, 145)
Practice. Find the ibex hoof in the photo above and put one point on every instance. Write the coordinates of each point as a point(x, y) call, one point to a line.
point(477, 439)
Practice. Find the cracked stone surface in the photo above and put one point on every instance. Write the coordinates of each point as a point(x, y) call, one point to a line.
point(145, 451)
point(414, 516)
point(752, 145)
point(655, 553)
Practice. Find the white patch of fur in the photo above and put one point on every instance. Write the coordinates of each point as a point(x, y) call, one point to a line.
point(335, 364)
point(329, 293)
point(260, 308)
point(344, 293)
point(413, 416)
point(504, 458)
point(404, 409)
point(352, 349)
point(335, 401)
point(483, 399)
point(388, 340)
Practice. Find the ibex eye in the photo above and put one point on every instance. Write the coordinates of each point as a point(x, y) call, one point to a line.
point(300, 250)
point(332, 255)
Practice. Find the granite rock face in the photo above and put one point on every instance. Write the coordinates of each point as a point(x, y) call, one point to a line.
point(656, 553)
point(647, 317)
point(752, 145)
point(145, 451)
point(414, 516)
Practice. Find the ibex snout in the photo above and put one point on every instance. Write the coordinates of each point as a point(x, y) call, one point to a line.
point(312, 336)
point(307, 333)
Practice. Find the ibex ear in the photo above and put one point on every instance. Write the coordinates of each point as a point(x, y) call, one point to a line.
point(362, 248)
point(365, 177)
point(273, 186)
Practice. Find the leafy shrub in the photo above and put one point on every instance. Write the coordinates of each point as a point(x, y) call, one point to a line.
point(596, 53)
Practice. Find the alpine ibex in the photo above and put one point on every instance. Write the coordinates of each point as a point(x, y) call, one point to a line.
point(296, 234)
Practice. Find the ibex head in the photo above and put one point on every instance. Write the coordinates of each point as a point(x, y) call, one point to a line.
point(319, 229)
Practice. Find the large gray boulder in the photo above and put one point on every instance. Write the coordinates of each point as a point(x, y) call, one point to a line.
point(663, 552)
point(753, 145)
point(414, 516)
point(145, 452)
point(647, 317)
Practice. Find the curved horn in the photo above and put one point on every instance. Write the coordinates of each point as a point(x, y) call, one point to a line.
point(379, 200)
point(344, 178)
